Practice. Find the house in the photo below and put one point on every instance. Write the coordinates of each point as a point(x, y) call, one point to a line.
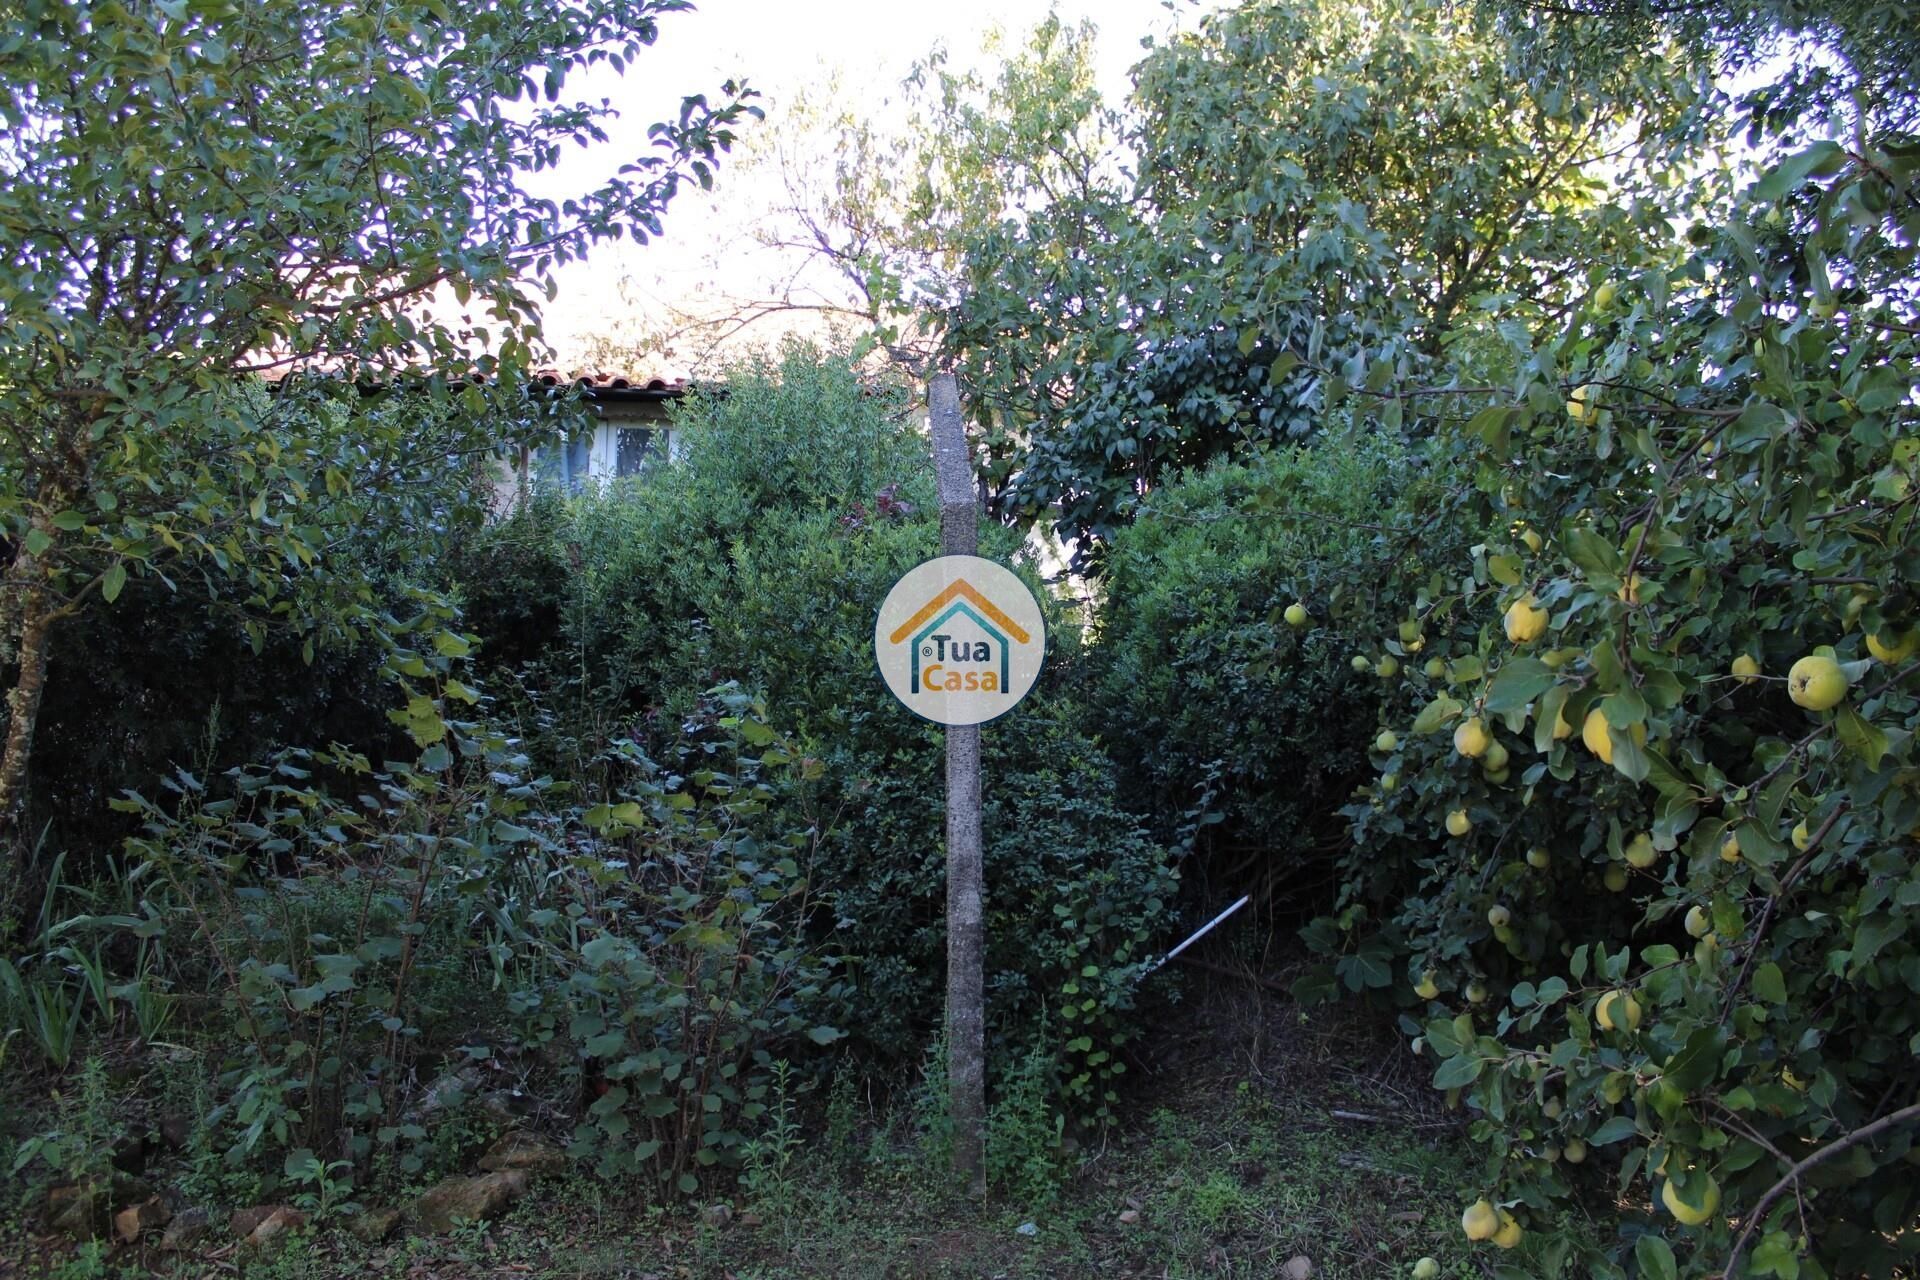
point(631, 432)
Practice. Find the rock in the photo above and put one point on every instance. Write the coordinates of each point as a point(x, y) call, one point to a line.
point(470, 1198)
point(503, 1105)
point(189, 1228)
point(717, 1215)
point(449, 1091)
point(176, 1131)
point(1027, 1229)
point(84, 1210)
point(79, 1211)
point(130, 1153)
point(243, 1221)
point(276, 1224)
point(524, 1151)
point(136, 1220)
point(1129, 1216)
point(1299, 1267)
point(371, 1226)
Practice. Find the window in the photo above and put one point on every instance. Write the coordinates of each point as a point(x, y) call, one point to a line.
point(636, 449)
point(579, 462)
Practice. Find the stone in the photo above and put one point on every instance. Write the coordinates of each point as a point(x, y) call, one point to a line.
point(717, 1215)
point(1028, 1229)
point(450, 1090)
point(176, 1131)
point(130, 1153)
point(275, 1225)
point(372, 1226)
point(188, 1230)
point(486, 1196)
point(1299, 1267)
point(243, 1221)
point(504, 1106)
point(1129, 1216)
point(84, 1210)
point(79, 1211)
point(136, 1220)
point(524, 1151)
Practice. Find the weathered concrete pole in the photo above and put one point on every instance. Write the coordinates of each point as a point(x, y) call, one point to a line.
point(966, 932)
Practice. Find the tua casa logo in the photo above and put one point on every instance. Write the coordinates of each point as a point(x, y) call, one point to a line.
point(960, 640)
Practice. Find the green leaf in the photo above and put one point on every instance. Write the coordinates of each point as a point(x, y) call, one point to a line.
point(1861, 736)
point(1493, 426)
point(1628, 756)
point(1518, 683)
point(1458, 1071)
point(112, 581)
point(1770, 984)
point(1592, 552)
point(1822, 159)
point(1552, 703)
point(1442, 1037)
point(1698, 1061)
point(1776, 1255)
point(1614, 1130)
point(1436, 714)
point(1655, 1257)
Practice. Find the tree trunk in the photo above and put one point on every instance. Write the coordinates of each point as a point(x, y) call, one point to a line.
point(966, 932)
point(36, 617)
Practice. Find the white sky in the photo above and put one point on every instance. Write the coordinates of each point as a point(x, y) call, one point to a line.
point(779, 47)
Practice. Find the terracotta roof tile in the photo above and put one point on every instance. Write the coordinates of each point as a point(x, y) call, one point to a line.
point(607, 381)
point(590, 381)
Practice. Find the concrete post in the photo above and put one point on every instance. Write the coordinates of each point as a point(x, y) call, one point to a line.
point(966, 932)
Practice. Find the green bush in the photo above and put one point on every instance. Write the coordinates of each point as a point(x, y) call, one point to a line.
point(641, 961)
point(169, 677)
point(1078, 898)
point(615, 596)
point(1673, 931)
point(761, 557)
point(1234, 731)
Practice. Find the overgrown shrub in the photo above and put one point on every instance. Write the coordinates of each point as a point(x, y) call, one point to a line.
point(1233, 730)
point(1079, 900)
point(633, 578)
point(761, 557)
point(377, 959)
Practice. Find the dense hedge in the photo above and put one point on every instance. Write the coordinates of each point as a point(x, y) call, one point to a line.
point(1235, 731)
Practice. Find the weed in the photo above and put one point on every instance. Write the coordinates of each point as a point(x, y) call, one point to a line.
point(75, 1150)
point(932, 1118)
point(769, 1175)
point(1024, 1131)
point(843, 1118)
point(89, 1262)
point(324, 1183)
